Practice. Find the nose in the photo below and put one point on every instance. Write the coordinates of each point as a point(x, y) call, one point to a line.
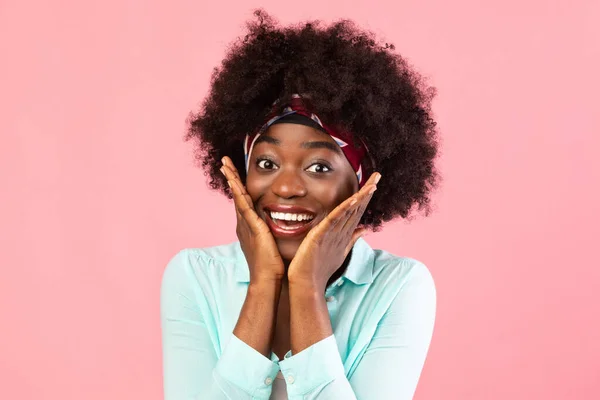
point(288, 184)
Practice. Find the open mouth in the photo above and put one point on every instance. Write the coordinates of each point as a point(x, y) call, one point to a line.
point(289, 225)
point(290, 221)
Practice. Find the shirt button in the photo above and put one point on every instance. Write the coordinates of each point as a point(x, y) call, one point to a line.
point(268, 381)
point(290, 379)
point(330, 299)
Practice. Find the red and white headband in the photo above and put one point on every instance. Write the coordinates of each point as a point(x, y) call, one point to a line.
point(357, 156)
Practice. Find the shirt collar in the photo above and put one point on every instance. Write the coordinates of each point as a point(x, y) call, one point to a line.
point(359, 271)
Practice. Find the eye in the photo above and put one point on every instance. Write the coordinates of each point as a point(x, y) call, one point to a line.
point(318, 168)
point(265, 164)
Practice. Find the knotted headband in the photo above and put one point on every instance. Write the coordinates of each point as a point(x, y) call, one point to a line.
point(357, 156)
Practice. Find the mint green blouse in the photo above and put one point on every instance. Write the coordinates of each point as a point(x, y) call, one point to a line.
point(382, 312)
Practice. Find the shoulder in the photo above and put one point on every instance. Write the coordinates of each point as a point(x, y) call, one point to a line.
point(195, 262)
point(407, 288)
point(203, 255)
point(219, 253)
point(402, 274)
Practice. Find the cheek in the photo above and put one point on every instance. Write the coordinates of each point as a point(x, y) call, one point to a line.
point(251, 187)
point(256, 187)
point(331, 196)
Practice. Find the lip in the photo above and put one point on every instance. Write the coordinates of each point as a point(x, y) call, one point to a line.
point(287, 233)
point(288, 209)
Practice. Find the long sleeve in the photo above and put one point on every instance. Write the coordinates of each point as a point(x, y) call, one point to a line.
point(192, 368)
point(392, 362)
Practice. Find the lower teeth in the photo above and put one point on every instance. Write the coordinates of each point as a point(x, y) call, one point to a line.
point(289, 224)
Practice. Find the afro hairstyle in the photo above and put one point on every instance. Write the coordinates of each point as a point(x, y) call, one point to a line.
point(355, 83)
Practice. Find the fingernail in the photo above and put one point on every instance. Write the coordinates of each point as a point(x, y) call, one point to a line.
point(229, 183)
point(221, 169)
point(378, 177)
point(223, 160)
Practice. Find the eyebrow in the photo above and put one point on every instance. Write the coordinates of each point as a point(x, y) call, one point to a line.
point(305, 145)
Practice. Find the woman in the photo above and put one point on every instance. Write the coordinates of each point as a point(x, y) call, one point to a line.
point(318, 134)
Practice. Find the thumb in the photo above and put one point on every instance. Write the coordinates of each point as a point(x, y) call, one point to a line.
point(358, 232)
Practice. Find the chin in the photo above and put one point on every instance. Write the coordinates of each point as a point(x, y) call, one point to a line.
point(288, 248)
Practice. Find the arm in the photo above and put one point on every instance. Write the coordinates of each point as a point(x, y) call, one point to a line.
point(256, 323)
point(319, 256)
point(309, 317)
point(390, 366)
point(191, 365)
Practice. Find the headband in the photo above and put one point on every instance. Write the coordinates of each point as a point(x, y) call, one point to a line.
point(356, 156)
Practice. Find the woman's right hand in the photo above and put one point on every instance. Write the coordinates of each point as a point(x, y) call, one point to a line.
point(257, 241)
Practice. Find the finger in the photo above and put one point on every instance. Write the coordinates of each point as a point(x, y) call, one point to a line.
point(238, 198)
point(234, 182)
point(344, 212)
point(227, 161)
point(232, 176)
point(368, 188)
point(238, 191)
point(243, 202)
point(364, 197)
point(366, 191)
point(373, 179)
point(351, 219)
point(347, 215)
point(346, 227)
point(229, 164)
point(341, 213)
point(245, 211)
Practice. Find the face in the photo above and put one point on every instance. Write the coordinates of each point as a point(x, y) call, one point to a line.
point(296, 176)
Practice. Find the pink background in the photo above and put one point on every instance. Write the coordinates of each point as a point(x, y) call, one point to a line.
point(99, 190)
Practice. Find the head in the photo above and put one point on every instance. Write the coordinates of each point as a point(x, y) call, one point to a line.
point(299, 170)
point(355, 84)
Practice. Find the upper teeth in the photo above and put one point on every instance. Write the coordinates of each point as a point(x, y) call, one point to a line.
point(290, 216)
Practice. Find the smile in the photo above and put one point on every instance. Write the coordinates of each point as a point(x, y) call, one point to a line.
point(289, 218)
point(286, 224)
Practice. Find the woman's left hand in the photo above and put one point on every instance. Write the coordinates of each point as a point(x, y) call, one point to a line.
point(326, 246)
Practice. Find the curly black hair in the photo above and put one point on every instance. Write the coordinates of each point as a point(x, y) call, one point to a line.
point(355, 83)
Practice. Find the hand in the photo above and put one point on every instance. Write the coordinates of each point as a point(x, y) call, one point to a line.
point(256, 239)
point(326, 246)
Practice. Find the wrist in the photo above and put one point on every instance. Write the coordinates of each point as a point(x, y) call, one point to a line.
point(306, 287)
point(265, 283)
